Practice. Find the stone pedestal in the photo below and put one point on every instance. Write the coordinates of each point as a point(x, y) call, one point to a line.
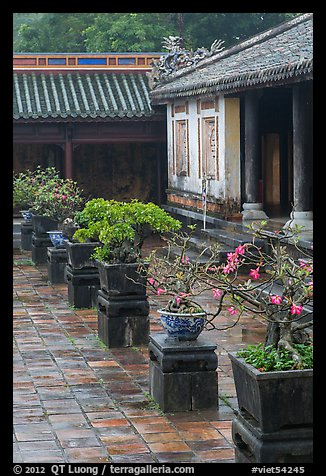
point(57, 262)
point(182, 374)
point(291, 445)
point(40, 245)
point(26, 230)
point(83, 285)
point(253, 211)
point(123, 321)
point(302, 219)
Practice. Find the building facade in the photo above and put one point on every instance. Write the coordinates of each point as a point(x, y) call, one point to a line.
point(90, 116)
point(239, 125)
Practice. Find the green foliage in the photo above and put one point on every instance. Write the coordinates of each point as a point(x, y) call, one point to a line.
point(27, 185)
point(52, 32)
point(94, 210)
point(45, 193)
point(268, 359)
point(126, 32)
point(55, 197)
point(120, 227)
point(23, 190)
point(102, 32)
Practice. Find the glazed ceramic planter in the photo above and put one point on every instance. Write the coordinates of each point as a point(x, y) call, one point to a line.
point(182, 326)
point(27, 215)
point(57, 238)
point(276, 401)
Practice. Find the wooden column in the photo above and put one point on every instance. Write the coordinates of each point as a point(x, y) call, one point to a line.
point(252, 147)
point(68, 154)
point(302, 214)
point(159, 172)
point(302, 146)
point(252, 208)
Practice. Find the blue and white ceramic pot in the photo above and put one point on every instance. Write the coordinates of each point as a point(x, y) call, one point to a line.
point(27, 215)
point(182, 326)
point(57, 237)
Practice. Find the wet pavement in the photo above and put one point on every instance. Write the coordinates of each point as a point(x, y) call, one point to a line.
point(76, 401)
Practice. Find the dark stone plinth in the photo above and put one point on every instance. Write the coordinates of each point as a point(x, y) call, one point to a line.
point(57, 262)
point(292, 445)
point(182, 374)
point(40, 245)
point(26, 230)
point(83, 285)
point(123, 331)
point(122, 305)
point(122, 321)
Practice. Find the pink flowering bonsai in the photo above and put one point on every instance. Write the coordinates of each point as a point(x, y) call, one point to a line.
point(247, 281)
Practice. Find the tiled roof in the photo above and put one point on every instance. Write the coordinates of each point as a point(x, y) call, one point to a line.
point(281, 54)
point(80, 95)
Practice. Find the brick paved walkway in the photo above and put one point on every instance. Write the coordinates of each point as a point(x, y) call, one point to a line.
point(77, 401)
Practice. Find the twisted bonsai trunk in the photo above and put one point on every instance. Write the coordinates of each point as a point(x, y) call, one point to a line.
point(283, 334)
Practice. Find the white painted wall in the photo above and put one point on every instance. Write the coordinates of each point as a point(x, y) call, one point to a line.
point(228, 183)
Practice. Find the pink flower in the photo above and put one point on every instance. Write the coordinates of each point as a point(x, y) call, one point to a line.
point(217, 293)
point(185, 259)
point(232, 310)
point(160, 291)
point(296, 309)
point(183, 295)
point(254, 273)
point(240, 250)
point(276, 299)
point(227, 269)
point(177, 300)
point(212, 268)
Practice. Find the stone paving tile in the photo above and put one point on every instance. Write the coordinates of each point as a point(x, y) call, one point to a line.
point(86, 454)
point(77, 401)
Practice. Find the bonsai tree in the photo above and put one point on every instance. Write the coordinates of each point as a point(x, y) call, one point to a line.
point(23, 190)
point(55, 197)
point(27, 185)
point(121, 227)
point(238, 290)
point(45, 193)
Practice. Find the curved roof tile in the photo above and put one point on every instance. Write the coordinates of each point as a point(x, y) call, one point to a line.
point(75, 95)
point(280, 54)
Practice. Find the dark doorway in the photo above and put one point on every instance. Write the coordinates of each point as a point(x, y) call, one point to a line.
point(275, 114)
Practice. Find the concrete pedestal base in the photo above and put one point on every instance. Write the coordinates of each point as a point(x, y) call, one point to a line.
point(40, 245)
point(285, 446)
point(57, 262)
point(182, 374)
point(83, 285)
point(304, 219)
point(122, 321)
point(26, 230)
point(253, 211)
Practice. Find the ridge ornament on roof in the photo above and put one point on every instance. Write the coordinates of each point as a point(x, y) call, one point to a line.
point(178, 58)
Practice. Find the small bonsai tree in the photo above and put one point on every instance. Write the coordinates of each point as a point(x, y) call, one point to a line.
point(45, 193)
point(27, 185)
point(121, 227)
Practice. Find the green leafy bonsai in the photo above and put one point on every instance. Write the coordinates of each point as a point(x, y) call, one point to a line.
point(121, 227)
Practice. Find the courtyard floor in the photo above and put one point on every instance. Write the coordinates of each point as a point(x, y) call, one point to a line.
point(77, 401)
